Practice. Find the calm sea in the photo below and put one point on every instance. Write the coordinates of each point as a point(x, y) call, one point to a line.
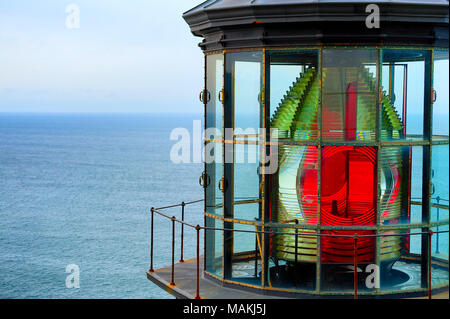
point(76, 189)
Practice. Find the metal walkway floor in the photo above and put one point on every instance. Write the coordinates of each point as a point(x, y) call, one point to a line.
point(185, 285)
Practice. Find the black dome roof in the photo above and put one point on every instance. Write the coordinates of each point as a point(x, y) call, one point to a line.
point(255, 23)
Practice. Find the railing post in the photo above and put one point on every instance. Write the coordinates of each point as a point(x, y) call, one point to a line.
point(172, 283)
point(182, 231)
point(355, 265)
point(437, 234)
point(151, 241)
point(296, 242)
point(430, 234)
point(197, 296)
point(256, 251)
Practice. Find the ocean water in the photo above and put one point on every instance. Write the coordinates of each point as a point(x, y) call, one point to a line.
point(77, 189)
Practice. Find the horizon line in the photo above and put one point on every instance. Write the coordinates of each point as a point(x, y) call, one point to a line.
point(99, 112)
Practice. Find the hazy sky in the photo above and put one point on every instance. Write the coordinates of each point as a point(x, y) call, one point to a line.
point(127, 56)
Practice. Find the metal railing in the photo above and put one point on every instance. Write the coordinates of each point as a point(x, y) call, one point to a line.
point(183, 223)
point(198, 228)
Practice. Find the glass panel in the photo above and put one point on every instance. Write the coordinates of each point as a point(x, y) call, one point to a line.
point(214, 171)
point(440, 175)
point(214, 246)
point(440, 86)
point(348, 187)
point(394, 186)
point(246, 182)
point(293, 257)
point(246, 255)
point(440, 154)
point(245, 69)
point(416, 181)
point(338, 254)
point(394, 81)
point(214, 84)
point(400, 187)
point(214, 122)
point(400, 259)
point(403, 94)
point(294, 93)
point(440, 178)
point(439, 253)
point(244, 73)
point(349, 94)
point(296, 185)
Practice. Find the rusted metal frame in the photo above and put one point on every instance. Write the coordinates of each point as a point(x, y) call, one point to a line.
point(340, 46)
point(182, 233)
point(247, 201)
point(429, 128)
point(405, 97)
point(440, 140)
point(205, 110)
point(309, 292)
point(181, 204)
point(324, 293)
point(246, 136)
point(405, 143)
point(151, 239)
point(172, 217)
point(408, 170)
point(407, 151)
point(172, 282)
point(280, 225)
point(228, 168)
point(243, 222)
point(430, 260)
point(355, 265)
point(348, 143)
point(301, 225)
point(427, 167)
point(319, 175)
point(436, 136)
point(264, 149)
point(432, 205)
point(305, 235)
point(296, 243)
point(356, 227)
point(391, 82)
point(287, 141)
point(167, 207)
point(437, 219)
point(245, 142)
point(378, 139)
point(197, 296)
point(256, 255)
point(413, 226)
point(313, 235)
point(223, 157)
